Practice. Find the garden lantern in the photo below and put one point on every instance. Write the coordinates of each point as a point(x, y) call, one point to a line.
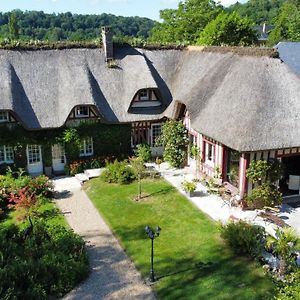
point(152, 234)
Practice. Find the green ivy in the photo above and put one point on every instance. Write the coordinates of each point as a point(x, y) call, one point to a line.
point(107, 139)
point(175, 141)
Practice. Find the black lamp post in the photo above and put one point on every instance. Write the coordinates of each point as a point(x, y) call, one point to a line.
point(152, 234)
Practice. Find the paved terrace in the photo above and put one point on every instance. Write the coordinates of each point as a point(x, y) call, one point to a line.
point(220, 210)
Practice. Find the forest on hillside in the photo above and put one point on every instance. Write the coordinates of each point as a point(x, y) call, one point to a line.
point(74, 27)
point(202, 22)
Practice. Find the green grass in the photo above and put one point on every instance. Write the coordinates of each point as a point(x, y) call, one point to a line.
point(191, 259)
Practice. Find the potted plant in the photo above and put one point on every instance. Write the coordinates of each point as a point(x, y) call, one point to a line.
point(158, 161)
point(218, 175)
point(189, 187)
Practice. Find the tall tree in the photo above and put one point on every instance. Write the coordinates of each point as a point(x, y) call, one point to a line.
point(13, 26)
point(228, 29)
point(287, 24)
point(185, 23)
point(259, 11)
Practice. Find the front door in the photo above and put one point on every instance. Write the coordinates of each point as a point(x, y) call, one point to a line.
point(34, 160)
point(58, 158)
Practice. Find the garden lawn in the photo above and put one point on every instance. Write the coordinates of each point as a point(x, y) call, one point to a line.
point(191, 260)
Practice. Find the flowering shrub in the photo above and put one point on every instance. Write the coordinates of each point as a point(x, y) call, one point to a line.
point(14, 188)
point(189, 186)
point(78, 166)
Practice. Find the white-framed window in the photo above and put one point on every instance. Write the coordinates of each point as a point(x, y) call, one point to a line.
point(144, 95)
point(4, 116)
point(34, 154)
point(6, 154)
point(155, 132)
point(209, 153)
point(82, 111)
point(86, 147)
point(58, 153)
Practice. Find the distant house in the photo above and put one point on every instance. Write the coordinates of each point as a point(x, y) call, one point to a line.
point(237, 106)
point(263, 32)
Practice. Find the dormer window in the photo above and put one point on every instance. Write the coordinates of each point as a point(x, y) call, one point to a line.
point(4, 116)
point(146, 98)
point(144, 95)
point(82, 112)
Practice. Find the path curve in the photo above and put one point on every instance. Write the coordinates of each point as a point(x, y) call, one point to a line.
point(113, 275)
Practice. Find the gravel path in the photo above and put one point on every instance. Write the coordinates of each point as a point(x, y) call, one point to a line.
point(113, 275)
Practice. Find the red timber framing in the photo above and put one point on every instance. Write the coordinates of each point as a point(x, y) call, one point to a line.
point(243, 182)
point(140, 133)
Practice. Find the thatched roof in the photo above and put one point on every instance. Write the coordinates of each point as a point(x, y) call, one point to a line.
point(289, 53)
point(246, 102)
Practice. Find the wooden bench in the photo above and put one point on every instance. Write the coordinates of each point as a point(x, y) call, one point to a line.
point(270, 217)
point(229, 188)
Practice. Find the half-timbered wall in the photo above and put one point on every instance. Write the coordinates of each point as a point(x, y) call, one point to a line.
point(211, 152)
point(146, 132)
point(265, 155)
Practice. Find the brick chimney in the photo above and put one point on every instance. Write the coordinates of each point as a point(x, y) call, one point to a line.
point(107, 40)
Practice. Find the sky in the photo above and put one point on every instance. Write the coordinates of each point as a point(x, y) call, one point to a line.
point(141, 8)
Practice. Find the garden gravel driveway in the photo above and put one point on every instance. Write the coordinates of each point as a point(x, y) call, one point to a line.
point(113, 275)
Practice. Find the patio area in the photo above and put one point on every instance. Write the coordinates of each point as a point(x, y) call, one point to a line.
point(221, 210)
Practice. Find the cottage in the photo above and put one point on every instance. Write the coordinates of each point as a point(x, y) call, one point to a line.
point(238, 104)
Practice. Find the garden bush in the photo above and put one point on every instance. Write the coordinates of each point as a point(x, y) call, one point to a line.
point(264, 195)
point(118, 172)
point(47, 264)
point(144, 152)
point(244, 238)
point(289, 289)
point(79, 165)
point(11, 184)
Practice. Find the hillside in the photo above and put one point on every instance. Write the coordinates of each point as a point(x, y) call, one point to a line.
point(75, 27)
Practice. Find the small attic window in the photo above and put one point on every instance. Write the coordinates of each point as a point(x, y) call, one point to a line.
point(3, 116)
point(82, 111)
point(144, 95)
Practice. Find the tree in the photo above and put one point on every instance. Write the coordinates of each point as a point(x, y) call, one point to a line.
point(183, 25)
point(258, 11)
point(13, 26)
point(287, 24)
point(174, 139)
point(138, 167)
point(228, 29)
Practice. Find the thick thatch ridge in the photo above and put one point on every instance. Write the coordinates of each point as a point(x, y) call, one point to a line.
point(242, 51)
point(246, 102)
